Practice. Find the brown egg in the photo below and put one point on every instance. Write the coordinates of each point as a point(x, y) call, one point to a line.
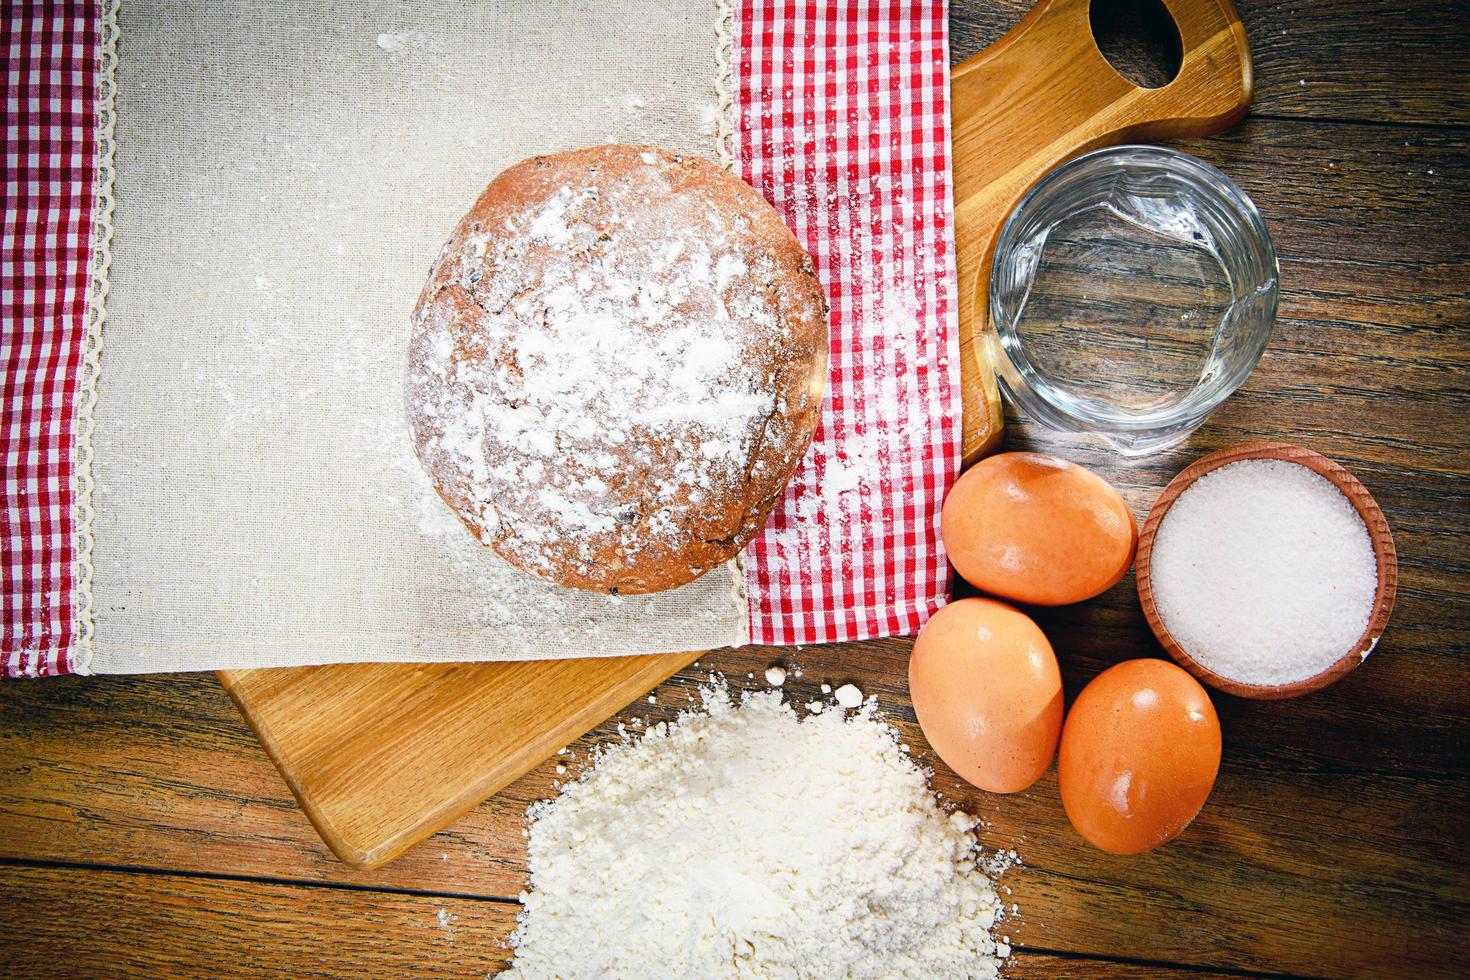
point(988, 694)
point(1139, 755)
point(1037, 529)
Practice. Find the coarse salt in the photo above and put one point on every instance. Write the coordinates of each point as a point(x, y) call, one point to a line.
point(1264, 572)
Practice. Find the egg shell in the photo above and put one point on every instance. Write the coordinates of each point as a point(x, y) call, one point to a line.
point(988, 693)
point(1039, 530)
point(1139, 755)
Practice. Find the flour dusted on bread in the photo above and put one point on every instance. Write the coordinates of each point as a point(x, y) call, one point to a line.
point(616, 365)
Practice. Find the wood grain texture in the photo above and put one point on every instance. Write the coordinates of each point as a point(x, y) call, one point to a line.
point(1303, 861)
point(163, 926)
point(380, 756)
point(1336, 47)
point(91, 924)
point(1335, 841)
point(163, 773)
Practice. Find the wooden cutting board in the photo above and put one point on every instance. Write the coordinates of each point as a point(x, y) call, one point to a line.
point(382, 755)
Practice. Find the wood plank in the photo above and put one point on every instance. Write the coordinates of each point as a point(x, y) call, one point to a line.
point(97, 924)
point(1361, 60)
point(382, 755)
point(101, 924)
point(1301, 862)
point(1370, 60)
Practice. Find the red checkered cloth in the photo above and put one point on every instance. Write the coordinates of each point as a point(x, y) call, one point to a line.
point(49, 87)
point(844, 127)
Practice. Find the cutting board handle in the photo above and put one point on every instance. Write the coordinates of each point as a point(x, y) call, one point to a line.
point(1043, 94)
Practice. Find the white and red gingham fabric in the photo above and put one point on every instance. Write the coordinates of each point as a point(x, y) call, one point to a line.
point(844, 127)
point(49, 78)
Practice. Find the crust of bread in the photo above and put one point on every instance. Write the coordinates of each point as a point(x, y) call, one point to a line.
point(560, 448)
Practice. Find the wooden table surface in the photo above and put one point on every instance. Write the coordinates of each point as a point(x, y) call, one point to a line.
point(144, 833)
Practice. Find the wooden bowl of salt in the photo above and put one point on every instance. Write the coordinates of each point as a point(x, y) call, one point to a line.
point(1257, 579)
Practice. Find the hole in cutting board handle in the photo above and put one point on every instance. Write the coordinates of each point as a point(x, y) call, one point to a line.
point(1139, 39)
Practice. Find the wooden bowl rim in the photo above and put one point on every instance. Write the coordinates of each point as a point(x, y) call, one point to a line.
point(1384, 553)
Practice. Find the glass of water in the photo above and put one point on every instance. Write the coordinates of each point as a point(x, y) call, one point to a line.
point(1133, 290)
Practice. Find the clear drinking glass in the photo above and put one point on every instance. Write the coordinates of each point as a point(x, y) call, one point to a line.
point(1133, 290)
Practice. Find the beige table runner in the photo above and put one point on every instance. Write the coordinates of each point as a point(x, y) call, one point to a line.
point(285, 175)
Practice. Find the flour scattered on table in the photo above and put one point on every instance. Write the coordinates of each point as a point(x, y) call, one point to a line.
point(447, 919)
point(746, 840)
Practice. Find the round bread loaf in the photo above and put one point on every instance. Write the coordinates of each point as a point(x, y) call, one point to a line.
point(615, 366)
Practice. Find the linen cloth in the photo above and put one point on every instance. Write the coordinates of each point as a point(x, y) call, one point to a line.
point(284, 177)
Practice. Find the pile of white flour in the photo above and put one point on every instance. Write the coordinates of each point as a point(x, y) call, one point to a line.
point(744, 840)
